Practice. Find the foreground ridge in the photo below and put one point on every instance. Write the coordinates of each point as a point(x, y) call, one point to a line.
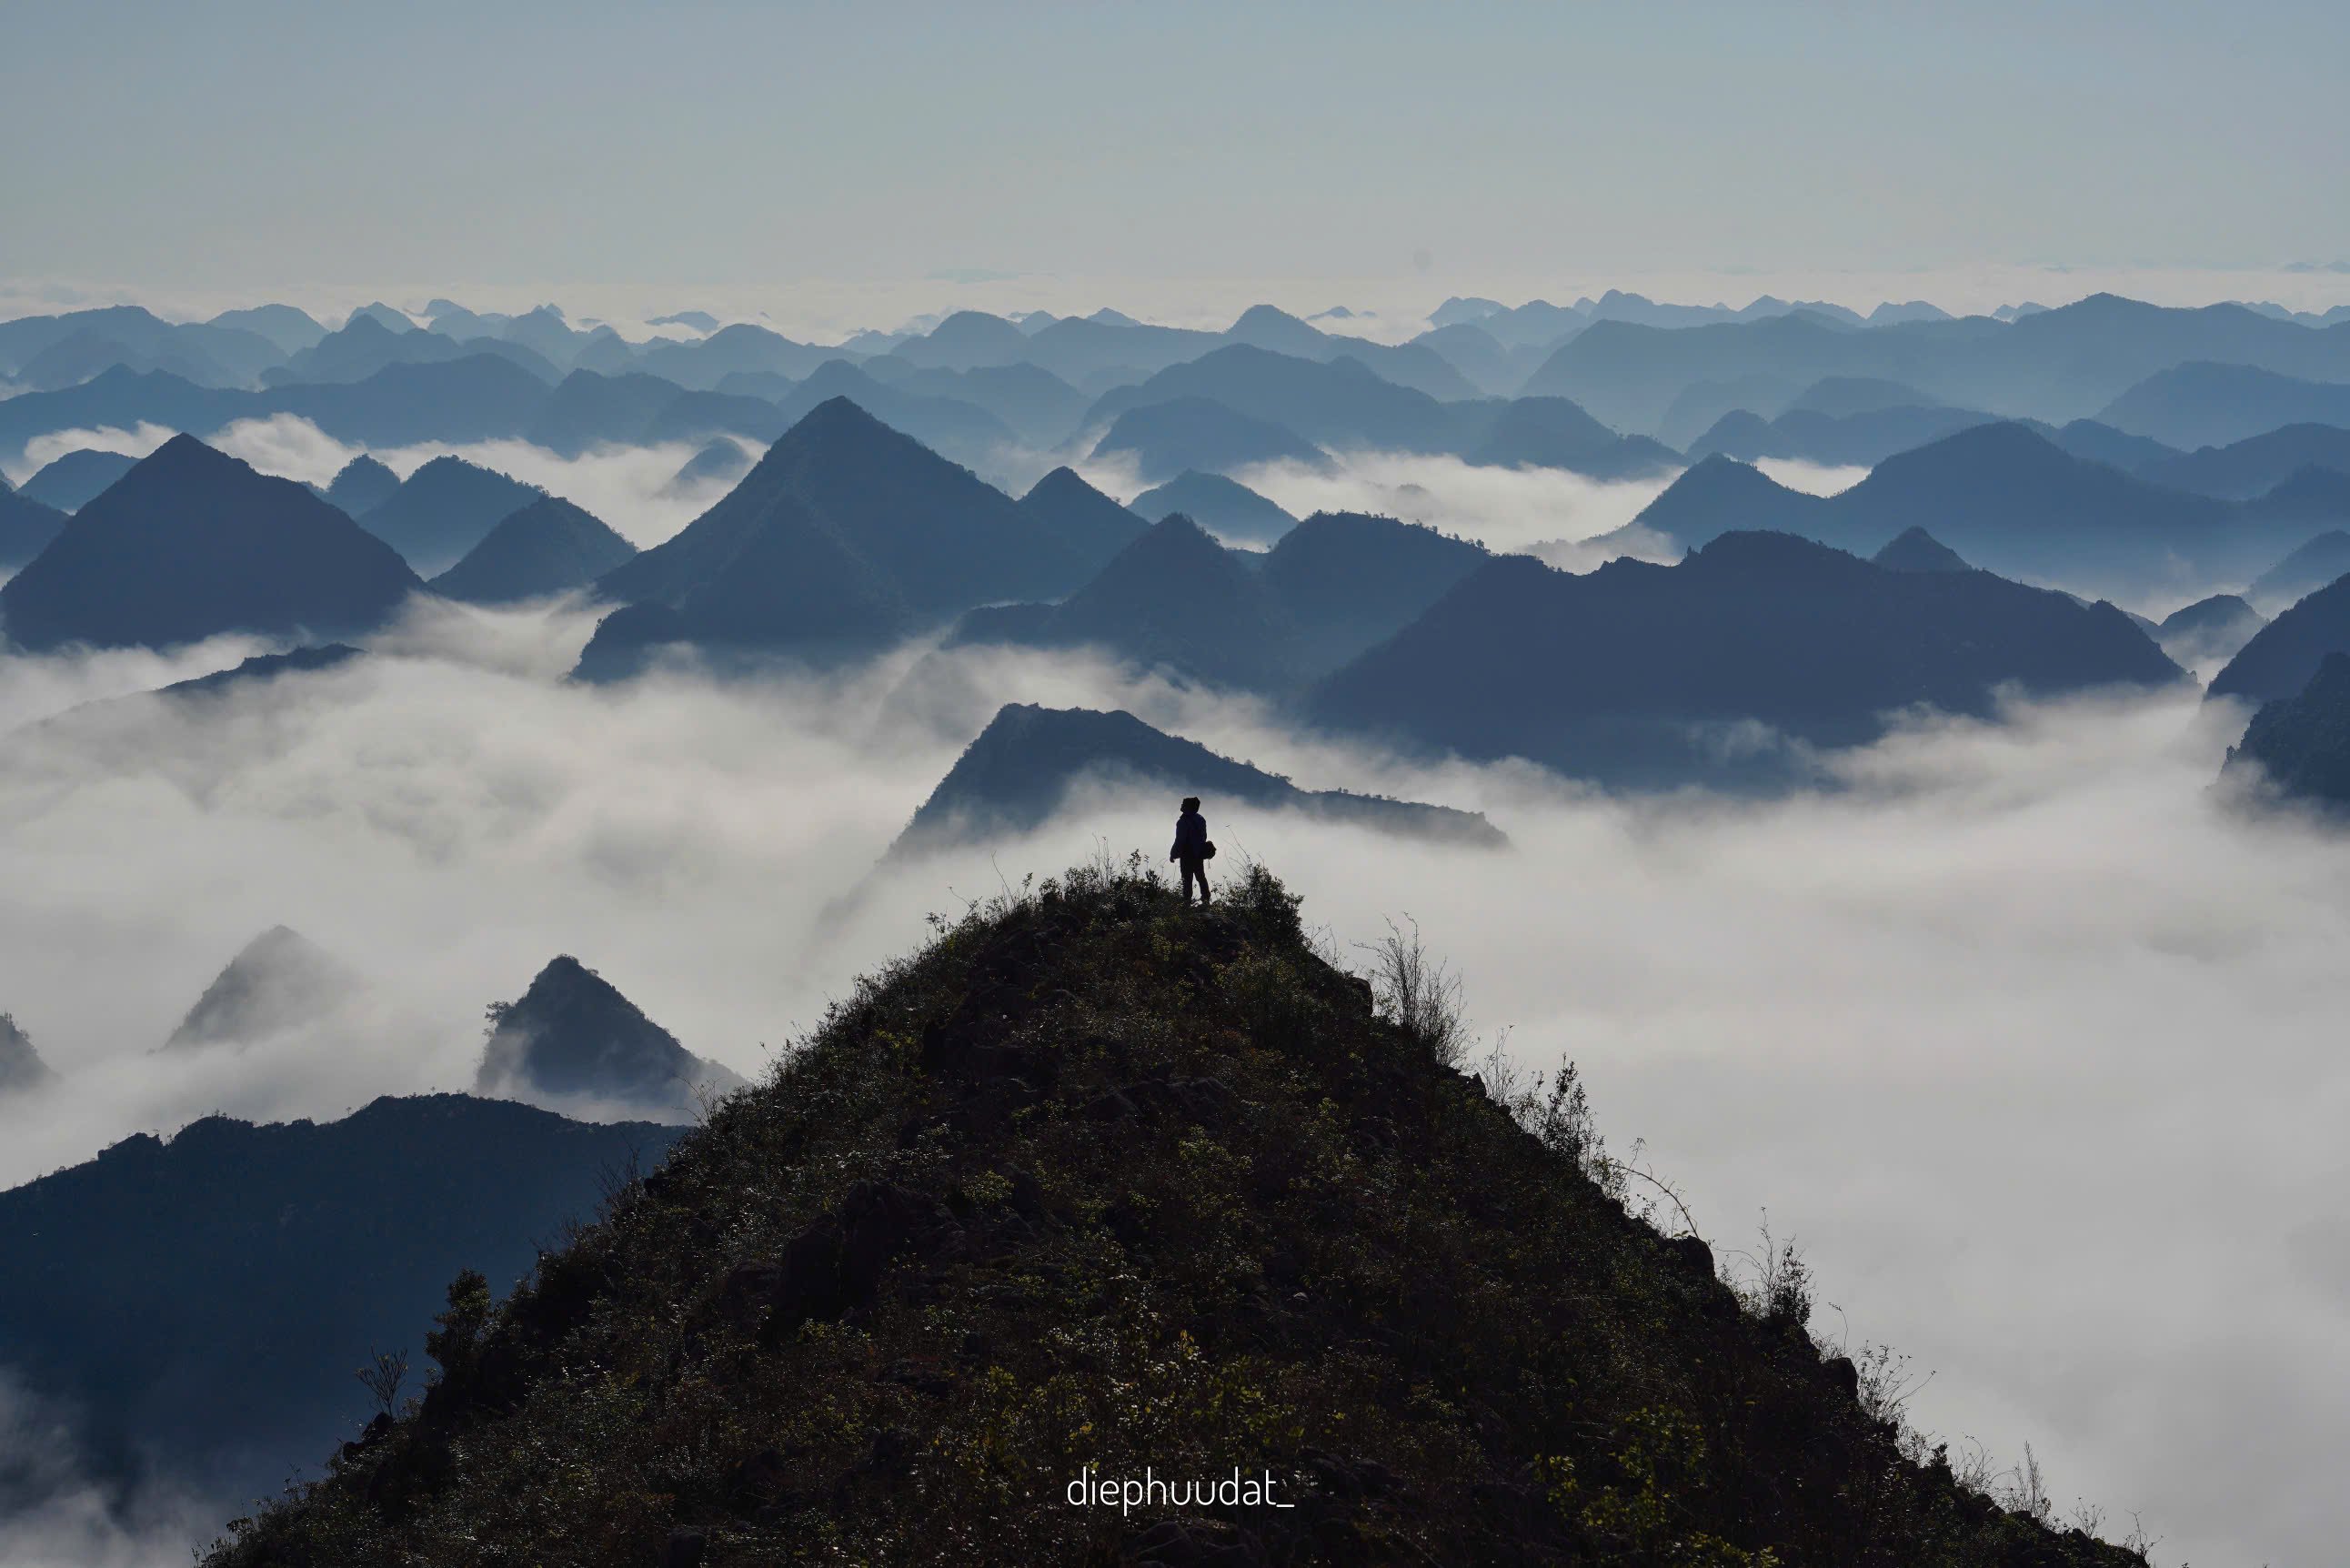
point(1091, 1184)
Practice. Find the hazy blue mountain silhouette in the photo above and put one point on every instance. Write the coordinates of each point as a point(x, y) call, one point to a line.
point(1493, 370)
point(2309, 568)
point(1552, 433)
point(586, 410)
point(1166, 438)
point(21, 1067)
point(1178, 601)
point(1174, 600)
point(1224, 505)
point(290, 328)
point(701, 321)
point(366, 346)
point(361, 486)
point(190, 544)
point(1720, 494)
point(479, 396)
point(26, 529)
point(2298, 746)
point(1028, 399)
point(2007, 500)
point(1347, 581)
point(704, 362)
point(2309, 496)
point(2201, 404)
point(549, 546)
point(121, 399)
point(264, 667)
point(1339, 403)
point(845, 535)
point(1915, 550)
point(1653, 674)
point(383, 314)
point(81, 343)
point(279, 981)
point(2208, 630)
point(572, 1039)
point(1842, 397)
point(721, 461)
point(199, 1304)
point(698, 416)
point(960, 431)
point(966, 339)
point(77, 478)
point(1092, 526)
point(2284, 655)
point(2246, 469)
point(2056, 364)
point(444, 509)
point(2116, 449)
point(1863, 439)
point(1021, 769)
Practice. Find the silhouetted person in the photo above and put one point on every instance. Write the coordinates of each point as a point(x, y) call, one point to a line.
point(1191, 848)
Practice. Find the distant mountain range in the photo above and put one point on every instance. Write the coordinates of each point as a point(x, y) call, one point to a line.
point(1223, 507)
point(1021, 769)
point(1651, 674)
point(278, 981)
point(1177, 601)
point(844, 537)
point(546, 547)
point(73, 480)
point(444, 510)
point(2008, 499)
point(190, 544)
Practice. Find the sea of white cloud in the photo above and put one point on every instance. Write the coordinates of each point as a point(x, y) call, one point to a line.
point(2027, 1036)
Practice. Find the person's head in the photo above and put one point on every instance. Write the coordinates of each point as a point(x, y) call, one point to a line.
point(1190, 803)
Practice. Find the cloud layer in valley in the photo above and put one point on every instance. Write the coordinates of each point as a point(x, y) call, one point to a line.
point(2032, 1043)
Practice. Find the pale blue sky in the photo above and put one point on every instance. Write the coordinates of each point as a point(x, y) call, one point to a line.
point(252, 145)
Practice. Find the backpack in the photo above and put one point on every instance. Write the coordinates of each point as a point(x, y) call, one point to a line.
point(1207, 849)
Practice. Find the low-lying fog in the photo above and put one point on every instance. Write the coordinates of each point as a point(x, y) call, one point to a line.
point(2033, 1046)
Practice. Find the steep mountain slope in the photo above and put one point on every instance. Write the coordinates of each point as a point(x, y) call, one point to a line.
point(361, 486)
point(1092, 526)
point(2245, 469)
point(721, 461)
point(190, 544)
point(1182, 434)
point(2283, 656)
point(2299, 746)
point(572, 1040)
point(1552, 433)
point(847, 535)
point(77, 479)
point(1224, 506)
point(197, 1305)
point(2008, 499)
point(1347, 581)
point(26, 529)
point(2208, 631)
point(1174, 600)
point(21, 1067)
point(1020, 770)
point(280, 979)
point(1915, 550)
point(444, 509)
point(2306, 569)
point(1641, 674)
point(1094, 1183)
point(548, 547)
point(2203, 404)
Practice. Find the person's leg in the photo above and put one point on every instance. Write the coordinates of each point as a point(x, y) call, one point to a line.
point(1194, 870)
point(1199, 870)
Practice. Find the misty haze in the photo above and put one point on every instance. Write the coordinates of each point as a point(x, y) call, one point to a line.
point(1228, 787)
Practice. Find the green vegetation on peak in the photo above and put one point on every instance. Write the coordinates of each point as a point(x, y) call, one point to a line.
point(1095, 1181)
